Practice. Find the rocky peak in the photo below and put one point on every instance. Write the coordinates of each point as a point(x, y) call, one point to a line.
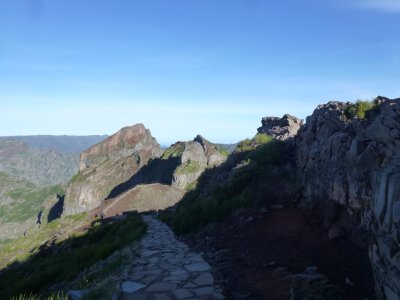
point(108, 164)
point(202, 141)
point(121, 144)
point(280, 128)
point(196, 156)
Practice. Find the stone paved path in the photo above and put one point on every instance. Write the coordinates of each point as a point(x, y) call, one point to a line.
point(166, 268)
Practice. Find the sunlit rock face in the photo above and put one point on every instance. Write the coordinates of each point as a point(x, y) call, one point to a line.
point(350, 171)
point(107, 164)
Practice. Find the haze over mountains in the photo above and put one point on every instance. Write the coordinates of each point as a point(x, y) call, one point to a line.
point(33, 170)
point(60, 143)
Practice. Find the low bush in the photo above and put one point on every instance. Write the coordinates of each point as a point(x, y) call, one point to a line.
point(359, 109)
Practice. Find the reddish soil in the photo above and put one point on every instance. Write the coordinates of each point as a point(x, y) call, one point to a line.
point(143, 198)
point(287, 238)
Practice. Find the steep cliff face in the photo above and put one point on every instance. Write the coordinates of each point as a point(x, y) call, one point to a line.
point(350, 171)
point(107, 164)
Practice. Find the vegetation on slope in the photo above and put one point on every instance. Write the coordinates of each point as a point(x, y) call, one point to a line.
point(222, 150)
point(20, 203)
point(188, 167)
point(359, 109)
point(245, 179)
point(20, 249)
point(174, 150)
point(63, 260)
point(27, 202)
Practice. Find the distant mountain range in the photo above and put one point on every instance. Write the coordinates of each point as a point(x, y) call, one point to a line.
point(60, 143)
point(33, 170)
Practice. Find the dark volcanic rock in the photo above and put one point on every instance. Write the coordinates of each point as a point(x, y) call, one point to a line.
point(350, 171)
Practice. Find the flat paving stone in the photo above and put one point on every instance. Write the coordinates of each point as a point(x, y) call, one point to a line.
point(203, 291)
point(204, 279)
point(134, 297)
point(182, 294)
point(165, 268)
point(131, 286)
point(161, 287)
point(198, 267)
point(162, 297)
point(182, 277)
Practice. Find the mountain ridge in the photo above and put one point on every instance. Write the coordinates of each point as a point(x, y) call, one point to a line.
point(60, 143)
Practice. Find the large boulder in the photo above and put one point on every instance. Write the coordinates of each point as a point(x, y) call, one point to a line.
point(350, 171)
point(108, 164)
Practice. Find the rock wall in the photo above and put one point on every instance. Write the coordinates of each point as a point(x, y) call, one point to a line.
point(108, 164)
point(350, 171)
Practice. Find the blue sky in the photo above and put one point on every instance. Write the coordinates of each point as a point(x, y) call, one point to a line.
point(213, 67)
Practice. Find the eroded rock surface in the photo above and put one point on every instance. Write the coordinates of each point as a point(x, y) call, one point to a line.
point(350, 171)
point(166, 268)
point(196, 156)
point(280, 128)
point(107, 164)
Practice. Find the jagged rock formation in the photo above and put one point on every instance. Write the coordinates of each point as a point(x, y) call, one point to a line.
point(280, 128)
point(194, 157)
point(179, 166)
point(350, 171)
point(108, 164)
point(43, 167)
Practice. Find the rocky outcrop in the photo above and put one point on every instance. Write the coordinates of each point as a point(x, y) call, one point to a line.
point(280, 128)
point(108, 164)
point(194, 157)
point(350, 172)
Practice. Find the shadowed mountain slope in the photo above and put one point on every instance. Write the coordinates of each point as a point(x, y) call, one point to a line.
point(108, 164)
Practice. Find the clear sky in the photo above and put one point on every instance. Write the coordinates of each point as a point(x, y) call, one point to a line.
point(183, 67)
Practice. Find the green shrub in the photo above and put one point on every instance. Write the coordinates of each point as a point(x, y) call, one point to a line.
point(245, 145)
point(251, 144)
point(359, 109)
point(262, 138)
